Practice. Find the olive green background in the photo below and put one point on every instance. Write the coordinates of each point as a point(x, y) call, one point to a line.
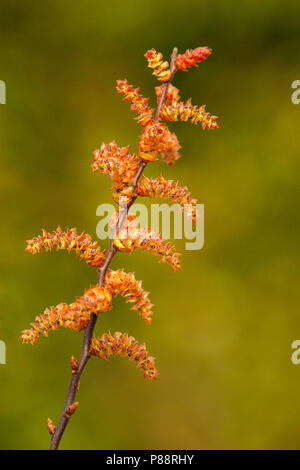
point(223, 327)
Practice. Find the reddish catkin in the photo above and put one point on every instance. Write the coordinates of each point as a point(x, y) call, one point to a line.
point(162, 188)
point(125, 284)
point(75, 316)
point(83, 245)
point(139, 104)
point(191, 58)
point(123, 345)
point(160, 67)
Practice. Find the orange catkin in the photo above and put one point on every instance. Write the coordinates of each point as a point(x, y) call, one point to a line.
point(116, 162)
point(125, 284)
point(123, 345)
point(186, 111)
point(69, 240)
point(162, 188)
point(75, 316)
point(139, 104)
point(131, 237)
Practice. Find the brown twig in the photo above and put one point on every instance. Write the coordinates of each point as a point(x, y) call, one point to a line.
point(88, 334)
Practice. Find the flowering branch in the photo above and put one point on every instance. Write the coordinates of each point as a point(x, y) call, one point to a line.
point(88, 334)
point(125, 170)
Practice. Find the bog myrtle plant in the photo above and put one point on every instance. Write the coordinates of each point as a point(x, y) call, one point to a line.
point(126, 172)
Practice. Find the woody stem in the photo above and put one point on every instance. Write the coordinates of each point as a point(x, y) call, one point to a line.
point(89, 330)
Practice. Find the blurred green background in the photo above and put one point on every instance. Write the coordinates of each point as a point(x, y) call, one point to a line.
point(223, 327)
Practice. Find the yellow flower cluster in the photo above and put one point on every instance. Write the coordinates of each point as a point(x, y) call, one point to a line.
point(83, 245)
point(123, 345)
point(160, 67)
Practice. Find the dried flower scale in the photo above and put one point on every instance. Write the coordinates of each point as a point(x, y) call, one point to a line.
point(125, 169)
